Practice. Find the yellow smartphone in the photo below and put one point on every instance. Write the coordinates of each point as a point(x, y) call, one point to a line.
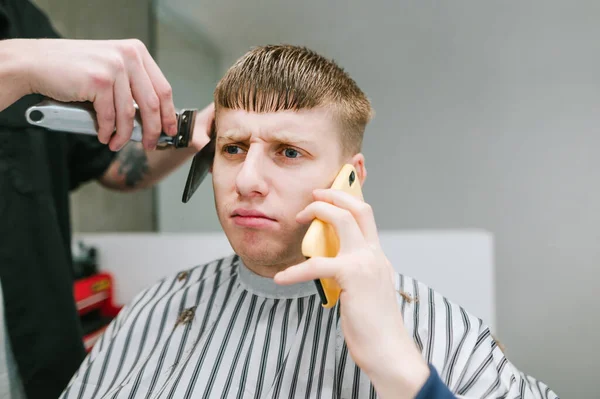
point(321, 240)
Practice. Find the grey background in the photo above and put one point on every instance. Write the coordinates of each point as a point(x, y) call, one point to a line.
point(488, 116)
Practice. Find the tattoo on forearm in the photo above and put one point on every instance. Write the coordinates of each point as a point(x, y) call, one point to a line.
point(133, 163)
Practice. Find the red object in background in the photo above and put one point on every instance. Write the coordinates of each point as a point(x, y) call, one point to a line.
point(95, 303)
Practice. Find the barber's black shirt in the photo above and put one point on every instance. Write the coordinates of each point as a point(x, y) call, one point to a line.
point(38, 168)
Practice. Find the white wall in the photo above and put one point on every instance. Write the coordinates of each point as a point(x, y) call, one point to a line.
point(488, 116)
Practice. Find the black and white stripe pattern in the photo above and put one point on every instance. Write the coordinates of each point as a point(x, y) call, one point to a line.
point(242, 341)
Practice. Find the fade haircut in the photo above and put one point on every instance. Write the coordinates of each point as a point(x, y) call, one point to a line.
point(284, 77)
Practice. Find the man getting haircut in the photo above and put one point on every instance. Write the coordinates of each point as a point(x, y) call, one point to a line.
point(251, 325)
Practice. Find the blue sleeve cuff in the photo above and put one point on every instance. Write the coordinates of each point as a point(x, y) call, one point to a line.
point(434, 387)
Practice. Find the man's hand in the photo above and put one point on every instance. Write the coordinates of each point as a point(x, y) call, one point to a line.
point(109, 73)
point(371, 319)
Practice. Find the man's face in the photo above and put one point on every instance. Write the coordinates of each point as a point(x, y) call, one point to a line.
point(265, 169)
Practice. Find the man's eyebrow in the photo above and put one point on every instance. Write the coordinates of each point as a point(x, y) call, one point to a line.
point(233, 135)
point(278, 136)
point(288, 138)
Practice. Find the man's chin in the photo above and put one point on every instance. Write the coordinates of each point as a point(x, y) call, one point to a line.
point(258, 252)
point(265, 247)
point(262, 252)
point(254, 237)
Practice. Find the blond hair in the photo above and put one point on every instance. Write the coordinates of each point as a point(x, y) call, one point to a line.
point(284, 77)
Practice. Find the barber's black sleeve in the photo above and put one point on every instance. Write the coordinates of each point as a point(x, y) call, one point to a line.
point(434, 387)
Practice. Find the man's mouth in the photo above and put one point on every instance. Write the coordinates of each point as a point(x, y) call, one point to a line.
point(251, 218)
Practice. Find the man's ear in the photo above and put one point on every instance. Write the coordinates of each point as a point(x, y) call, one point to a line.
point(358, 161)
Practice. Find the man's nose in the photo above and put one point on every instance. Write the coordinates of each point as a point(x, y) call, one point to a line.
point(250, 181)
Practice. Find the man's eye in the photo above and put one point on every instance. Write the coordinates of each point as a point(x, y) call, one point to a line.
point(291, 153)
point(232, 149)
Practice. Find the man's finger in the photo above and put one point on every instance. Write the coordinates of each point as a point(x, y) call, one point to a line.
point(165, 95)
point(148, 103)
point(343, 222)
point(104, 106)
point(362, 212)
point(125, 112)
point(310, 270)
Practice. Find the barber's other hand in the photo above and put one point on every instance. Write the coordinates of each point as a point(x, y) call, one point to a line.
point(370, 316)
point(111, 74)
point(202, 127)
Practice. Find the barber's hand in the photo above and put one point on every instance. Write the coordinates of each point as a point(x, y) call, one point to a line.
point(111, 74)
point(370, 316)
point(202, 127)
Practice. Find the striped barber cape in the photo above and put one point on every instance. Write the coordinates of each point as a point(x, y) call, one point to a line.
point(221, 331)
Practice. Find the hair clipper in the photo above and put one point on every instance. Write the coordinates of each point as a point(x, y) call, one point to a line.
point(80, 117)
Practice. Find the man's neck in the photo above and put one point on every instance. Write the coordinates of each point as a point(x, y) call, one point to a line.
point(270, 270)
point(258, 279)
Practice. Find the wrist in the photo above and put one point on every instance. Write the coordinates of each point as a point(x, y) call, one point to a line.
point(33, 67)
point(17, 65)
point(402, 376)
